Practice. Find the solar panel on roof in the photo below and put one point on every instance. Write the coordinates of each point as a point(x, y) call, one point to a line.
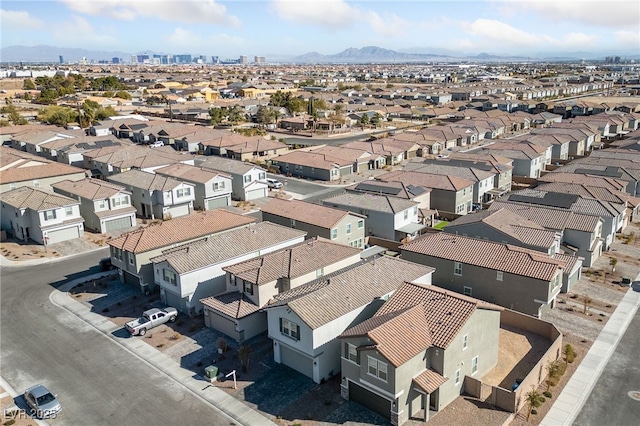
point(551, 199)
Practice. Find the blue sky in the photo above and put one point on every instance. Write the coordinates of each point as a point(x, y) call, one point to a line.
point(294, 27)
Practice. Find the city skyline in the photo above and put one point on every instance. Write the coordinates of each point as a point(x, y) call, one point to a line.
point(288, 28)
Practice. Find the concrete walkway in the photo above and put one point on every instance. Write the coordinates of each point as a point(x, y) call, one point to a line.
point(10, 391)
point(197, 385)
point(574, 395)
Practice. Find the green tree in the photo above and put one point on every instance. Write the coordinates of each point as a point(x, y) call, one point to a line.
point(57, 115)
point(613, 262)
point(217, 116)
point(375, 120)
point(236, 114)
point(534, 400)
point(27, 96)
point(264, 115)
point(28, 84)
point(364, 120)
point(13, 115)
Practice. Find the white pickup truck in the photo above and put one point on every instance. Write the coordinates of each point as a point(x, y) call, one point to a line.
point(149, 319)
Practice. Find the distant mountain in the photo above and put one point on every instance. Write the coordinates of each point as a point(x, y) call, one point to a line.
point(365, 55)
point(44, 53)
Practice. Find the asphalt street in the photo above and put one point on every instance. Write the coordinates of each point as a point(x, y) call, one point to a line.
point(611, 402)
point(97, 382)
point(306, 190)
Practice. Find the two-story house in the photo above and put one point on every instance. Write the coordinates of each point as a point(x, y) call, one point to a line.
point(524, 280)
point(387, 217)
point(131, 252)
point(253, 283)
point(529, 160)
point(212, 189)
point(248, 181)
point(157, 196)
point(304, 322)
point(193, 271)
point(313, 165)
point(339, 226)
point(412, 356)
point(46, 218)
point(105, 207)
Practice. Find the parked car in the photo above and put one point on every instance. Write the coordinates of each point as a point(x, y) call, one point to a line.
point(149, 319)
point(42, 403)
point(156, 144)
point(274, 183)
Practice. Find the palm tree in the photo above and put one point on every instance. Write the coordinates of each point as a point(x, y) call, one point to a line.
point(533, 400)
point(613, 262)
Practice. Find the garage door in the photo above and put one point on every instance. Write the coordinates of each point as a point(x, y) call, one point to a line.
point(369, 400)
point(178, 211)
point(63, 235)
point(220, 323)
point(175, 300)
point(217, 202)
point(256, 193)
point(116, 224)
point(296, 361)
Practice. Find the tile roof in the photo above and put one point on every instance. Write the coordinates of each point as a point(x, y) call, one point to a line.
point(292, 262)
point(313, 159)
point(486, 254)
point(145, 180)
point(586, 191)
point(369, 201)
point(226, 245)
point(179, 230)
point(583, 179)
point(516, 150)
point(306, 212)
point(257, 145)
point(429, 380)
point(20, 166)
point(189, 173)
point(428, 180)
point(35, 199)
point(550, 217)
point(573, 202)
point(227, 165)
point(396, 189)
point(415, 318)
point(233, 304)
point(89, 188)
point(447, 169)
point(334, 295)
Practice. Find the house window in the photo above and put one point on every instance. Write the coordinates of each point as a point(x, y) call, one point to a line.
point(101, 204)
point(36, 183)
point(120, 201)
point(377, 368)
point(474, 365)
point(232, 279)
point(457, 377)
point(360, 224)
point(247, 178)
point(457, 268)
point(465, 341)
point(248, 287)
point(49, 215)
point(352, 353)
point(183, 192)
point(499, 275)
point(12, 185)
point(348, 228)
point(289, 328)
point(262, 176)
point(218, 186)
point(334, 233)
point(406, 214)
point(467, 291)
point(68, 211)
point(319, 272)
point(169, 276)
point(131, 258)
point(460, 209)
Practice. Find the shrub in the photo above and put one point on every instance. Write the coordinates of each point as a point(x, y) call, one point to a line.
point(9, 422)
point(175, 336)
point(193, 327)
point(569, 353)
point(160, 345)
point(534, 411)
point(547, 394)
point(105, 310)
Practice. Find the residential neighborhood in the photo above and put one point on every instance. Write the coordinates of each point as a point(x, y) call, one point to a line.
point(346, 244)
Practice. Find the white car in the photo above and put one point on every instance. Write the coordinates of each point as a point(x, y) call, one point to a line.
point(274, 183)
point(156, 144)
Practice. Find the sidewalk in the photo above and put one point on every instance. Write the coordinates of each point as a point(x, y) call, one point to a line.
point(199, 386)
point(574, 395)
point(8, 390)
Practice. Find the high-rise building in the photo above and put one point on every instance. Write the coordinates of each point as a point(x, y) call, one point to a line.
point(115, 60)
point(61, 59)
point(243, 60)
point(215, 60)
point(260, 60)
point(182, 59)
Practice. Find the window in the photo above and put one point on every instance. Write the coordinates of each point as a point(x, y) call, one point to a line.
point(218, 186)
point(248, 287)
point(499, 275)
point(465, 341)
point(289, 328)
point(247, 179)
point(169, 276)
point(68, 211)
point(467, 291)
point(348, 228)
point(457, 377)
point(360, 224)
point(293, 223)
point(474, 365)
point(460, 209)
point(49, 214)
point(131, 258)
point(232, 279)
point(102, 204)
point(12, 185)
point(457, 268)
point(377, 368)
point(351, 353)
point(319, 272)
point(334, 233)
point(36, 183)
point(406, 214)
point(183, 192)
point(415, 210)
point(262, 176)
point(120, 201)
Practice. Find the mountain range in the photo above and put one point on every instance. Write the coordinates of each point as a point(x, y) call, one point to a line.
point(352, 55)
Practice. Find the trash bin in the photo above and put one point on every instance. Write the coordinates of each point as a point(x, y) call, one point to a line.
point(211, 372)
point(626, 281)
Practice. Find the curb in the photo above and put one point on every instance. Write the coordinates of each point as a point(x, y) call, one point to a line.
point(12, 392)
point(195, 384)
point(21, 263)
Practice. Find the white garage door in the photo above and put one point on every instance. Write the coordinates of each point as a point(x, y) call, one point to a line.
point(296, 361)
point(178, 211)
point(217, 202)
point(115, 224)
point(63, 235)
point(256, 193)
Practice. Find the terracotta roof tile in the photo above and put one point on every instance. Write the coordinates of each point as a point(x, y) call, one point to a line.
point(35, 199)
point(19, 166)
point(429, 380)
point(305, 212)
point(428, 180)
point(89, 188)
point(234, 304)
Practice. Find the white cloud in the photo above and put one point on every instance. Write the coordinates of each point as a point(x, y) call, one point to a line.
point(389, 26)
point(15, 20)
point(181, 37)
point(184, 11)
point(79, 29)
point(628, 38)
point(613, 13)
point(327, 13)
point(490, 30)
